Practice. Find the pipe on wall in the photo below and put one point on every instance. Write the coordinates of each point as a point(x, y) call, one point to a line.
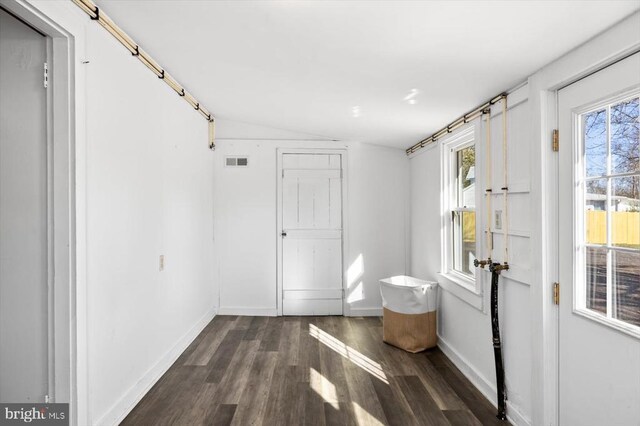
point(96, 14)
point(468, 117)
point(494, 267)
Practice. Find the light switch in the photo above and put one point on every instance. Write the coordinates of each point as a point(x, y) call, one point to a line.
point(161, 262)
point(498, 220)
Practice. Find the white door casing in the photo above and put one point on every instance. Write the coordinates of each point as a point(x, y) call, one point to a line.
point(599, 356)
point(311, 233)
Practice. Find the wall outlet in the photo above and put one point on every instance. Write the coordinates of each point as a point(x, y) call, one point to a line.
point(498, 219)
point(161, 262)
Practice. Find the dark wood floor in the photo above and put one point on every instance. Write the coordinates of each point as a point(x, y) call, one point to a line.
point(308, 370)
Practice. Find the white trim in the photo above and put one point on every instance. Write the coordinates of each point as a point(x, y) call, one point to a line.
point(610, 46)
point(485, 387)
point(461, 291)
point(130, 399)
point(579, 185)
point(343, 152)
point(611, 323)
point(249, 312)
point(365, 312)
point(62, 138)
point(468, 289)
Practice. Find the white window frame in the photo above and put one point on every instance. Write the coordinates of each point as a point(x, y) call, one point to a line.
point(466, 287)
point(580, 243)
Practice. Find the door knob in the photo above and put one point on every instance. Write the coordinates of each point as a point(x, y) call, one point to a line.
point(284, 233)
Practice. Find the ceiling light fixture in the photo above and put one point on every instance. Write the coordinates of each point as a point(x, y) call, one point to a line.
point(410, 97)
point(355, 111)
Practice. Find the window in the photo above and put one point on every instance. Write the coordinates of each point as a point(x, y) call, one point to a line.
point(609, 212)
point(460, 194)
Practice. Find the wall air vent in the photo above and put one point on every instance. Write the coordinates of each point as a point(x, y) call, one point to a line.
point(236, 162)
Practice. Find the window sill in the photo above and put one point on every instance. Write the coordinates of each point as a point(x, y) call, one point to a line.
point(463, 288)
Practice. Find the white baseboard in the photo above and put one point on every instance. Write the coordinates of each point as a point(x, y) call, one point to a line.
point(272, 312)
point(251, 312)
point(123, 407)
point(365, 312)
point(516, 417)
point(480, 382)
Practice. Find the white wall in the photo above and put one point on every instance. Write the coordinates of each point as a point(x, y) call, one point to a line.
point(152, 201)
point(527, 315)
point(143, 187)
point(464, 323)
point(149, 193)
point(245, 219)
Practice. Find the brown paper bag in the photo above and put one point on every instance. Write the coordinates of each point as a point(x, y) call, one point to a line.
point(411, 332)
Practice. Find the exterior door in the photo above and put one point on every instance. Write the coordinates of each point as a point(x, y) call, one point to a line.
point(311, 234)
point(23, 214)
point(599, 214)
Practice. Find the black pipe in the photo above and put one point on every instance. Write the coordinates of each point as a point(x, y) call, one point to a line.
point(497, 345)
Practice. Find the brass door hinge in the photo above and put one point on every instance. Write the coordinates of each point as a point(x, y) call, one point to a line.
point(556, 293)
point(555, 141)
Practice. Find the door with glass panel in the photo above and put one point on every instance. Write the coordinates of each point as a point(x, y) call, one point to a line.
point(599, 249)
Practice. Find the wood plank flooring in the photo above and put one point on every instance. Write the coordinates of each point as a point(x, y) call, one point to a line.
point(308, 371)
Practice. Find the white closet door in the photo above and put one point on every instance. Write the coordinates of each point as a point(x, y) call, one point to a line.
point(312, 234)
point(23, 214)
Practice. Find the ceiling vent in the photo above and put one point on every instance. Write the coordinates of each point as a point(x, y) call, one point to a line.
point(236, 161)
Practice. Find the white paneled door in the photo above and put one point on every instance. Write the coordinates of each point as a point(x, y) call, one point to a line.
point(599, 214)
point(311, 214)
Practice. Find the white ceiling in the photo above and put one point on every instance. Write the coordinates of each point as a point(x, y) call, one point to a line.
point(304, 65)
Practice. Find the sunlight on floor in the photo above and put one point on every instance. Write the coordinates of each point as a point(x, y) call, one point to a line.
point(359, 359)
point(327, 391)
point(323, 387)
point(363, 417)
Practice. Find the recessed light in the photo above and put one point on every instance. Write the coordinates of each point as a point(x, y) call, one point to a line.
point(412, 101)
point(412, 94)
point(355, 111)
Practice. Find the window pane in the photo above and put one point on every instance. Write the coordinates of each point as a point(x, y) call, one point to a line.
point(466, 174)
point(465, 242)
point(625, 137)
point(468, 241)
point(626, 285)
point(625, 212)
point(595, 142)
point(596, 279)
point(595, 219)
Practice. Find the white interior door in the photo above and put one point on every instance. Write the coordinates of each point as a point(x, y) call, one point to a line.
point(23, 214)
point(311, 234)
point(599, 202)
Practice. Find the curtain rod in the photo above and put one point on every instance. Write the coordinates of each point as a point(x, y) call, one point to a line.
point(474, 113)
point(96, 14)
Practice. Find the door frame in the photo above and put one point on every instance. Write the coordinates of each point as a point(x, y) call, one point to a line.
point(613, 45)
point(344, 186)
point(61, 206)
